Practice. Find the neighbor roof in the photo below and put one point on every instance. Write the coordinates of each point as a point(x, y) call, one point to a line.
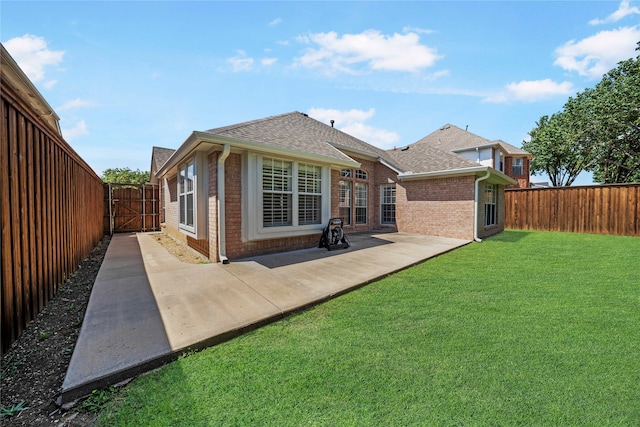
point(452, 138)
point(424, 158)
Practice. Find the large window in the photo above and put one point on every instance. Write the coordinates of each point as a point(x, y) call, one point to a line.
point(186, 195)
point(362, 200)
point(309, 194)
point(276, 192)
point(388, 204)
point(517, 166)
point(291, 193)
point(490, 203)
point(345, 202)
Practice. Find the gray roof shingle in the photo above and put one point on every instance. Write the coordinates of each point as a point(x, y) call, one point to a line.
point(160, 156)
point(297, 131)
point(424, 158)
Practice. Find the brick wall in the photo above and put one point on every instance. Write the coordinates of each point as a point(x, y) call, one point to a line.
point(500, 212)
point(378, 175)
point(437, 207)
point(212, 223)
point(523, 179)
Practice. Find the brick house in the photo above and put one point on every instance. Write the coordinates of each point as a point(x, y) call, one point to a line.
point(512, 161)
point(271, 185)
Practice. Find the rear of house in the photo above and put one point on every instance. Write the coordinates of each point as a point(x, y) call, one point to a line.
point(271, 185)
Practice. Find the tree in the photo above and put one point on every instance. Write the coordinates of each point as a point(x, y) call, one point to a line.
point(125, 176)
point(556, 150)
point(597, 130)
point(616, 126)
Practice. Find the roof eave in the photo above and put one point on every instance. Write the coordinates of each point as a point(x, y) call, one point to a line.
point(496, 177)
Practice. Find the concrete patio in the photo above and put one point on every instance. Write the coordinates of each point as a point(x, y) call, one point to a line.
point(147, 307)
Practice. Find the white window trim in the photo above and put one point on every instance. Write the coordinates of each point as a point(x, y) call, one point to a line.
point(493, 202)
point(252, 215)
point(200, 202)
point(356, 206)
point(382, 188)
point(520, 166)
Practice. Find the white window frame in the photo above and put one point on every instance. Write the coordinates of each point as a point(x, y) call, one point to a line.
point(490, 205)
point(253, 227)
point(197, 227)
point(361, 203)
point(387, 200)
point(345, 201)
point(517, 164)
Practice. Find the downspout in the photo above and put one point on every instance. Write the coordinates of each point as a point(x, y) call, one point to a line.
point(475, 214)
point(222, 244)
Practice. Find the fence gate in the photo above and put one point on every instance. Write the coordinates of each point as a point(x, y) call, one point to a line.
point(132, 207)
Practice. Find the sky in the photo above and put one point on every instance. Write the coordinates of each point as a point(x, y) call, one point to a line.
point(124, 76)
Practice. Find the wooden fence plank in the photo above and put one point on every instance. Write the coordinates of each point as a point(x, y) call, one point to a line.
point(50, 212)
point(599, 209)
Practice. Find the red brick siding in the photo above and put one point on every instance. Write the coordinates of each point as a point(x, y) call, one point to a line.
point(437, 207)
point(523, 179)
point(212, 220)
point(378, 175)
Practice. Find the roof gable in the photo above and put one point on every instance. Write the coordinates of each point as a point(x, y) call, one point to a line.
point(159, 156)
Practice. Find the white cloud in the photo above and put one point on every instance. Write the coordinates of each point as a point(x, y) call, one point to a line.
point(531, 91)
point(268, 61)
point(275, 22)
point(345, 53)
point(74, 103)
point(594, 56)
point(80, 129)
point(33, 56)
point(353, 123)
point(417, 30)
point(624, 10)
point(241, 62)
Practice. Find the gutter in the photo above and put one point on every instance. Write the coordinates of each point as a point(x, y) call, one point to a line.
point(222, 242)
point(421, 175)
point(475, 204)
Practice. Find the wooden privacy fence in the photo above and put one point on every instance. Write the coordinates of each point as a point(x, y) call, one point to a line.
point(131, 207)
point(598, 209)
point(51, 205)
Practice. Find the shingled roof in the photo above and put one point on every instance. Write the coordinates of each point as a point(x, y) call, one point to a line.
point(422, 159)
point(160, 155)
point(297, 131)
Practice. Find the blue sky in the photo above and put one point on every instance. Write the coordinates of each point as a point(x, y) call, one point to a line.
point(124, 76)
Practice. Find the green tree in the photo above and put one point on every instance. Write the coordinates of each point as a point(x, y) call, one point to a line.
point(556, 149)
point(615, 129)
point(125, 176)
point(597, 130)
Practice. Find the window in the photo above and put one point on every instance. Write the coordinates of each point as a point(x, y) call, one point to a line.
point(186, 195)
point(361, 203)
point(309, 194)
point(490, 198)
point(290, 195)
point(360, 174)
point(517, 166)
point(345, 202)
point(276, 192)
point(192, 196)
point(345, 173)
point(388, 204)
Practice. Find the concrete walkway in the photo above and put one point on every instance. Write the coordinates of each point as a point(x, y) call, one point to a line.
point(147, 307)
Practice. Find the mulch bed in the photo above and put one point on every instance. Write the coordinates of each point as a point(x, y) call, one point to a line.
point(35, 365)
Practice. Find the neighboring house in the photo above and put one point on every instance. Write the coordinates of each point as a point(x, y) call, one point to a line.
point(504, 157)
point(272, 184)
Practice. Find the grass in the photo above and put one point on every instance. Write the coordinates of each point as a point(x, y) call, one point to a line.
point(527, 328)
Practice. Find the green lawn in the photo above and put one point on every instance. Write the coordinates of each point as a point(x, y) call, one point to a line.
point(526, 328)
